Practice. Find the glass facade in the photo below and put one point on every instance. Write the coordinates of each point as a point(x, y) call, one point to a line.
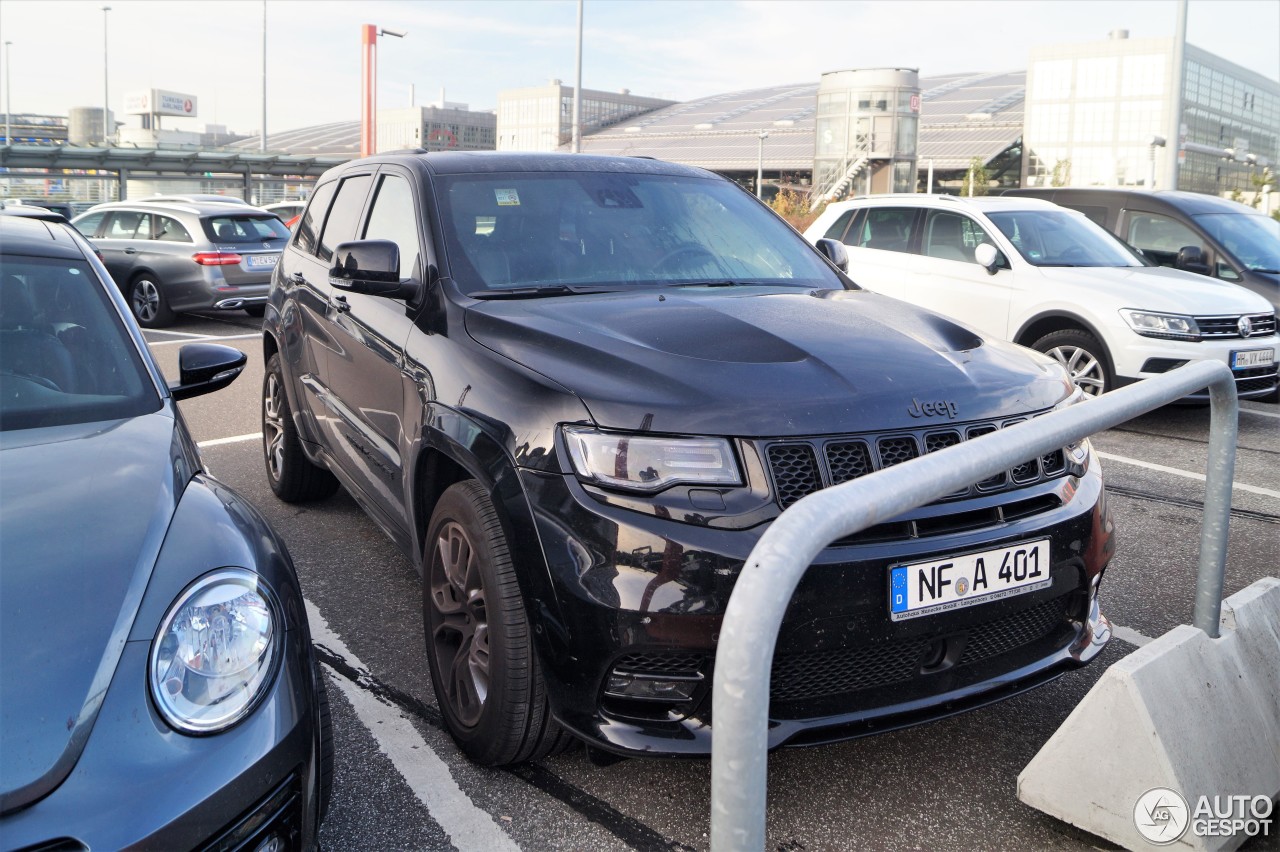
point(866, 129)
point(541, 119)
point(1092, 111)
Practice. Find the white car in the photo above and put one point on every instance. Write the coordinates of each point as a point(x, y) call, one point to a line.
point(1026, 270)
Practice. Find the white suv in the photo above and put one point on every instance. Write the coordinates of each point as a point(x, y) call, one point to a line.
point(1025, 270)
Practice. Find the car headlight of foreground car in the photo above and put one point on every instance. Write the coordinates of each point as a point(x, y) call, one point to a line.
point(1077, 452)
point(650, 463)
point(216, 651)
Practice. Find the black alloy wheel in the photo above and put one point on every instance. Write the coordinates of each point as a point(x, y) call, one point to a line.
point(484, 668)
point(292, 476)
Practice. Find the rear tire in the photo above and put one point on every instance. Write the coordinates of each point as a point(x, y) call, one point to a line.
point(292, 476)
point(148, 303)
point(1083, 355)
point(484, 669)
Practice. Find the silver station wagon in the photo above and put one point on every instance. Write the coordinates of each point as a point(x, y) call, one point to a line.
point(170, 257)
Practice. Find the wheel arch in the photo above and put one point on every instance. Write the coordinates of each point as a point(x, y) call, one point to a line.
point(457, 448)
point(1050, 321)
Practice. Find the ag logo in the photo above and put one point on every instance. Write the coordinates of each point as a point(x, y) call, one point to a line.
point(1161, 816)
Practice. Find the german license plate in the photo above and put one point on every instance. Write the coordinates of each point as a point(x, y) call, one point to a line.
point(1243, 359)
point(942, 585)
point(263, 261)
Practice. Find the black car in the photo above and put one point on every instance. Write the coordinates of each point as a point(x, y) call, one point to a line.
point(575, 390)
point(1187, 230)
point(157, 683)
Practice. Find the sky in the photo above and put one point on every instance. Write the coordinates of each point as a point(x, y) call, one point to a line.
point(674, 49)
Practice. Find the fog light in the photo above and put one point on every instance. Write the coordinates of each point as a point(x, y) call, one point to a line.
point(649, 688)
point(274, 843)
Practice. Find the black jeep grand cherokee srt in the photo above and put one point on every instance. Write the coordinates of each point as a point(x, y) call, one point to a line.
point(575, 390)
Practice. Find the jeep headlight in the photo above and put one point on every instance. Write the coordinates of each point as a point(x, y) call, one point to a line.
point(1163, 326)
point(649, 463)
point(216, 651)
point(1077, 452)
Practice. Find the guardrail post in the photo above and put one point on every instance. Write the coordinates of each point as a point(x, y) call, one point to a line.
point(749, 631)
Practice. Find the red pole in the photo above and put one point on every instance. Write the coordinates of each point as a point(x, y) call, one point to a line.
point(369, 95)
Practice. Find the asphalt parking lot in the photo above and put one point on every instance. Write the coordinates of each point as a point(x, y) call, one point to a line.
point(401, 784)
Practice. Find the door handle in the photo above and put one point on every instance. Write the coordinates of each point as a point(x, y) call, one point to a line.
point(298, 278)
point(340, 304)
point(130, 251)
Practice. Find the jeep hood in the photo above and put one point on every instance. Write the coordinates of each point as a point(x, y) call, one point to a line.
point(1157, 288)
point(763, 361)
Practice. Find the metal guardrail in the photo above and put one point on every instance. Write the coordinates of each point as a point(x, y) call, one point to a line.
point(749, 632)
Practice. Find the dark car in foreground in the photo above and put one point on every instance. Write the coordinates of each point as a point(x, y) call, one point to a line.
point(575, 391)
point(157, 683)
point(170, 257)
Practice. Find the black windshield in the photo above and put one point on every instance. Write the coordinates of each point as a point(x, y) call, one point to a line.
point(609, 230)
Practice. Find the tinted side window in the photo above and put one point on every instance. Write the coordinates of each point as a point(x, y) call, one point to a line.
point(170, 230)
point(308, 231)
point(836, 231)
point(144, 228)
point(1160, 237)
point(887, 228)
point(344, 215)
point(392, 218)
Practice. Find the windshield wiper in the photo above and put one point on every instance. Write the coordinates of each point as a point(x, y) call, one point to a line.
point(1268, 271)
point(537, 292)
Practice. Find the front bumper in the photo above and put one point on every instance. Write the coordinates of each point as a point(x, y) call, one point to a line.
point(140, 784)
point(642, 596)
point(1149, 357)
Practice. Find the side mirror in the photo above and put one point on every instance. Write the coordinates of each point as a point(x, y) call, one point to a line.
point(987, 256)
point(834, 251)
point(372, 268)
point(206, 367)
point(1191, 258)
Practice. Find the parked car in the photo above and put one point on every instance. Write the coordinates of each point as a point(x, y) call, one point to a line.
point(1047, 277)
point(286, 210)
point(198, 198)
point(62, 208)
point(30, 211)
point(575, 390)
point(158, 687)
point(174, 257)
point(1213, 236)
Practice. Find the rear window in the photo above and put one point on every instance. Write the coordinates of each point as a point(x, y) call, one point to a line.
point(244, 229)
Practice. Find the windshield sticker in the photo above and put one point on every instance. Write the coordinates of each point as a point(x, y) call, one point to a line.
point(507, 197)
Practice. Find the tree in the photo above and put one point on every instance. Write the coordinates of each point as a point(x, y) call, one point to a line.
point(1061, 173)
point(976, 178)
point(794, 207)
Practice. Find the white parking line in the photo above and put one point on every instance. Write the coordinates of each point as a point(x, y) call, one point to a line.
point(236, 439)
point(1186, 474)
point(1128, 634)
point(470, 829)
point(190, 334)
point(1271, 414)
point(205, 338)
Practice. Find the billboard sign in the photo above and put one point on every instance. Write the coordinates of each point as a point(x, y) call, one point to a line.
point(160, 102)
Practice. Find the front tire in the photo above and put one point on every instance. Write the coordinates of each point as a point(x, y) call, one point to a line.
point(484, 669)
point(292, 476)
point(148, 303)
point(1083, 355)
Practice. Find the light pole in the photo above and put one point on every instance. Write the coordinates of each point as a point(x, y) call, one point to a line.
point(8, 100)
point(577, 91)
point(263, 146)
point(764, 134)
point(369, 74)
point(106, 98)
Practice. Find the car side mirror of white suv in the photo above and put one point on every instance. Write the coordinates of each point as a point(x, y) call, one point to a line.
point(987, 255)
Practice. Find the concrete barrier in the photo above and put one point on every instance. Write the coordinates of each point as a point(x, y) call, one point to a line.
point(1192, 714)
